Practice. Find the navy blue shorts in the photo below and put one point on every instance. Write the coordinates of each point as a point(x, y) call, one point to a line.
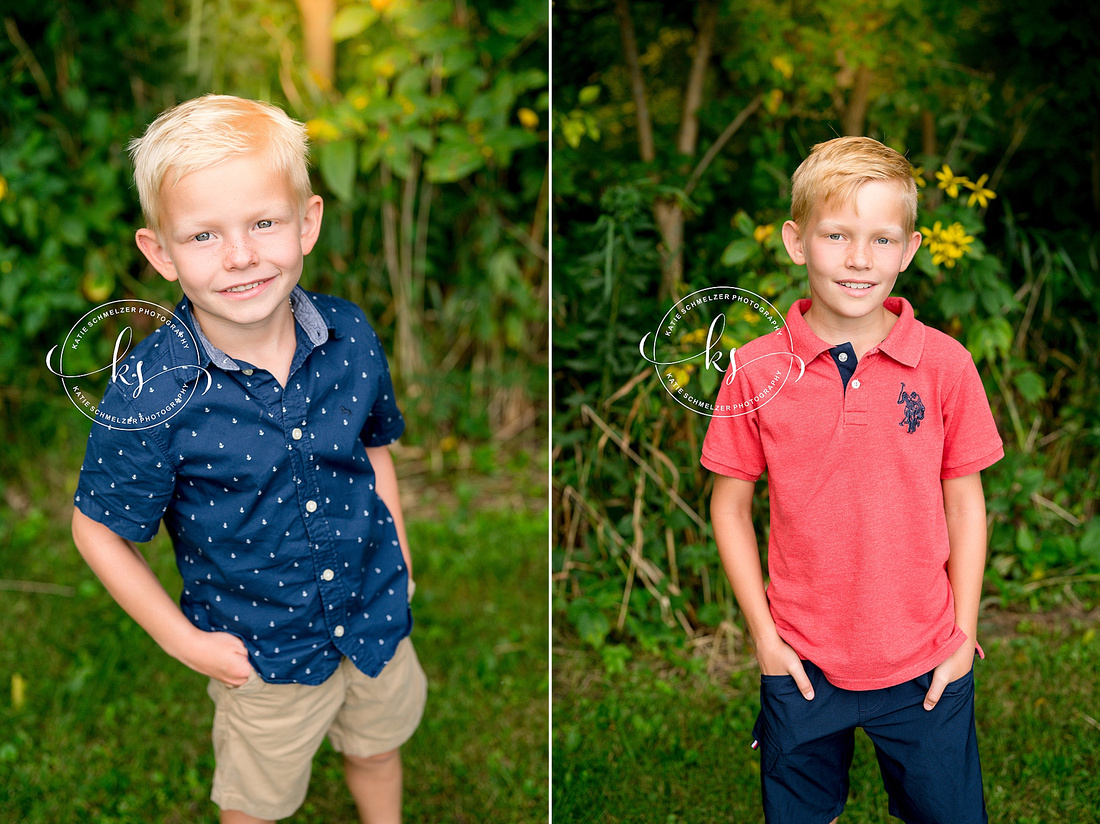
point(928, 759)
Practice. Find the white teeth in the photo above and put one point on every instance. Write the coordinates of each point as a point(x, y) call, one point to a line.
point(856, 285)
point(244, 288)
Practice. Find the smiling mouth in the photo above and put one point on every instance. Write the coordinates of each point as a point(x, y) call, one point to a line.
point(244, 287)
point(853, 285)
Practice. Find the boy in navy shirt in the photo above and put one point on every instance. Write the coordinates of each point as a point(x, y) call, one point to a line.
point(273, 478)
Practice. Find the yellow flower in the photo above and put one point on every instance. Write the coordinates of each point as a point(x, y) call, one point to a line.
point(949, 181)
point(528, 119)
point(782, 64)
point(320, 129)
point(360, 101)
point(918, 175)
point(947, 245)
point(18, 691)
point(980, 193)
point(3, 188)
point(761, 233)
point(679, 375)
point(693, 338)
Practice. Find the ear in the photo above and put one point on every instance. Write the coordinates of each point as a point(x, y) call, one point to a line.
point(155, 253)
point(910, 250)
point(792, 239)
point(311, 223)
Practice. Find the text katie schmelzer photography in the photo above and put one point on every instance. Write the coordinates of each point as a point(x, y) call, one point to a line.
point(720, 320)
point(85, 380)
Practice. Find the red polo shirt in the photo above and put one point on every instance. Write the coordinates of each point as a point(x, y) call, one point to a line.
point(857, 553)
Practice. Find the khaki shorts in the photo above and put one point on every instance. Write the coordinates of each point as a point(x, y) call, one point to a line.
point(265, 735)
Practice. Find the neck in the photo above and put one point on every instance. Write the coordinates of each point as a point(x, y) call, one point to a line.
point(863, 333)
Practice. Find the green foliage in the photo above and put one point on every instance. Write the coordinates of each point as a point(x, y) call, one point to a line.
point(111, 729)
point(681, 737)
point(430, 149)
point(635, 561)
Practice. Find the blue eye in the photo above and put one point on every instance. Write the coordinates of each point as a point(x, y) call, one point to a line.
point(265, 224)
point(202, 236)
point(883, 240)
point(834, 236)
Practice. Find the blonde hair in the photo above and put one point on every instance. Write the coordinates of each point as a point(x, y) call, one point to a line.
point(836, 169)
point(208, 130)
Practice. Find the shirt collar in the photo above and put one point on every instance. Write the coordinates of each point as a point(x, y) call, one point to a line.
point(904, 343)
point(308, 317)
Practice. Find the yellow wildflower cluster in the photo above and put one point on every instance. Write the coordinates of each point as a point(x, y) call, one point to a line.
point(680, 374)
point(950, 183)
point(761, 233)
point(946, 245)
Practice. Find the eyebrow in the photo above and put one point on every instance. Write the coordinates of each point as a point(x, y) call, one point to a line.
point(829, 227)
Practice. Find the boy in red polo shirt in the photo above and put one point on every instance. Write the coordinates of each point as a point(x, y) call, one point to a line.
point(874, 442)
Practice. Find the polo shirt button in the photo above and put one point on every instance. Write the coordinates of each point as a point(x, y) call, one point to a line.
point(855, 383)
point(296, 433)
point(328, 575)
point(311, 506)
point(842, 357)
point(338, 632)
point(247, 372)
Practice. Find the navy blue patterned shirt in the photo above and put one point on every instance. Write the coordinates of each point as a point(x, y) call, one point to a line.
point(266, 491)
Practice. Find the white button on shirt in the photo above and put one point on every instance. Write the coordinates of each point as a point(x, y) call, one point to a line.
point(338, 632)
point(855, 385)
point(328, 575)
point(842, 357)
point(311, 506)
point(296, 433)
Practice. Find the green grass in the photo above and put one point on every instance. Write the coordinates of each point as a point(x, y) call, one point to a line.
point(662, 743)
point(113, 731)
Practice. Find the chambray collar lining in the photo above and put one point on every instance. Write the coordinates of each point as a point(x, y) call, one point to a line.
point(305, 314)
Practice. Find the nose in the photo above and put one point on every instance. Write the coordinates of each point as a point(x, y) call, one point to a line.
point(240, 254)
point(859, 256)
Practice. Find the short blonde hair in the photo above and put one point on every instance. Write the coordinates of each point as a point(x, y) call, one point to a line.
point(208, 130)
point(836, 169)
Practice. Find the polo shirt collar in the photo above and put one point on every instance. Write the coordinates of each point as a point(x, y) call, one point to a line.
point(903, 344)
point(307, 316)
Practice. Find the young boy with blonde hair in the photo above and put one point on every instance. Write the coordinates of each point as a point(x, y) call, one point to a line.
point(878, 535)
point(275, 481)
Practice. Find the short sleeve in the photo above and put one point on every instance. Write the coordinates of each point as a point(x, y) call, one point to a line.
point(126, 481)
point(733, 445)
point(385, 423)
point(970, 439)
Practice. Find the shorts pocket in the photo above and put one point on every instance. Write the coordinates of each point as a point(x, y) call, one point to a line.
point(961, 685)
point(253, 685)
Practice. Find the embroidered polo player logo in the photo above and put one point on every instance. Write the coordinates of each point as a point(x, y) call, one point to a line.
point(914, 409)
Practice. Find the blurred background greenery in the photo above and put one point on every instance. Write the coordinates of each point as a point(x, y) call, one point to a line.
point(676, 130)
point(429, 123)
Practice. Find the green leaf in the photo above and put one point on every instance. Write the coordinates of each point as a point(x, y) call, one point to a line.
point(1030, 385)
point(351, 21)
point(1090, 542)
point(588, 94)
point(337, 163)
point(739, 251)
point(452, 162)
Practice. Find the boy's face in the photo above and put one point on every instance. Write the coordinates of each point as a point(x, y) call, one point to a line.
point(853, 252)
point(234, 235)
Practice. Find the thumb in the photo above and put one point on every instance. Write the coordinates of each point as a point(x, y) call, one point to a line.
point(933, 695)
point(802, 681)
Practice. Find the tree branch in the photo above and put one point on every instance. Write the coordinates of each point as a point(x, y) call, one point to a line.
point(637, 82)
point(688, 138)
point(720, 143)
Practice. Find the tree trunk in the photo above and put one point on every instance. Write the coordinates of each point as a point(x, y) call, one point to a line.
point(637, 82)
point(855, 113)
point(317, 18)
